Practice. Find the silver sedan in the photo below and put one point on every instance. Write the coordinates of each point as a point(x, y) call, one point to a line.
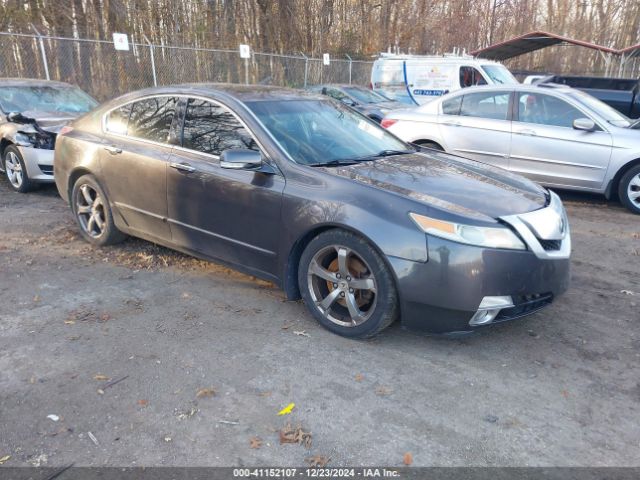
point(555, 135)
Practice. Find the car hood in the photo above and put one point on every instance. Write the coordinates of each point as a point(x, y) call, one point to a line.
point(458, 185)
point(51, 121)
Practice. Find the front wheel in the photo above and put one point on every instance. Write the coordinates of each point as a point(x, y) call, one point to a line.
point(16, 171)
point(346, 285)
point(629, 189)
point(92, 212)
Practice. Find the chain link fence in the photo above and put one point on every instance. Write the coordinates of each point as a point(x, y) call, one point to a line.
point(104, 72)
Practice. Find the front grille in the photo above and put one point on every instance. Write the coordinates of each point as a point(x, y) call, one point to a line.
point(46, 169)
point(524, 305)
point(550, 245)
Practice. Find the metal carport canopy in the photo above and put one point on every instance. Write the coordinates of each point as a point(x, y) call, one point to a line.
point(530, 42)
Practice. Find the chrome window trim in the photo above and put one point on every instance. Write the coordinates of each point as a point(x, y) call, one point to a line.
point(187, 97)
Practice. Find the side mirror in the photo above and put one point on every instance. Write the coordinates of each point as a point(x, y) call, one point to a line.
point(348, 101)
point(240, 159)
point(585, 124)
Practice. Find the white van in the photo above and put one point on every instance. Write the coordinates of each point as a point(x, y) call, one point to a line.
point(418, 79)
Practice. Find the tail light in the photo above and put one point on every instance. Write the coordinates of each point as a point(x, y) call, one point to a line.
point(387, 122)
point(66, 129)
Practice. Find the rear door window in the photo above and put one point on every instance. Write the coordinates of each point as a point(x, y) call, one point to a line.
point(494, 105)
point(211, 128)
point(546, 110)
point(151, 118)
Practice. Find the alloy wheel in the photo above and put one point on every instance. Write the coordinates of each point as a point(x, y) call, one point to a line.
point(633, 190)
point(342, 286)
point(14, 171)
point(90, 210)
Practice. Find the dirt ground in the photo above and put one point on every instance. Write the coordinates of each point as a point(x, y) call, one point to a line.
point(210, 356)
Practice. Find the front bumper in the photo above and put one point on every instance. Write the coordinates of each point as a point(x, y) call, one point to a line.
point(443, 294)
point(464, 287)
point(39, 163)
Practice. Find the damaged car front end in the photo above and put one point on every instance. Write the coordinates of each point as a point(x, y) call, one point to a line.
point(32, 113)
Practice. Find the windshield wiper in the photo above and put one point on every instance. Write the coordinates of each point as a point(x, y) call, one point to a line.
point(381, 154)
point(333, 163)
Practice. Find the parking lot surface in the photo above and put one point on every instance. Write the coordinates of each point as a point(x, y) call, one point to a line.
point(203, 359)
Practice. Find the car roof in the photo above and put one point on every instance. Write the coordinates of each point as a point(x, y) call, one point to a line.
point(518, 87)
point(243, 93)
point(31, 82)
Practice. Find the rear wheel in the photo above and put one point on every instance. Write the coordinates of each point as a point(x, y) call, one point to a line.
point(16, 171)
point(346, 285)
point(92, 212)
point(429, 144)
point(629, 189)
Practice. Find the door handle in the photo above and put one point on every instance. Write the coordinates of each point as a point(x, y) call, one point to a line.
point(184, 167)
point(528, 132)
point(113, 150)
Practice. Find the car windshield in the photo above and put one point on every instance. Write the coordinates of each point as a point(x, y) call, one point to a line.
point(610, 114)
point(317, 132)
point(499, 74)
point(363, 95)
point(45, 99)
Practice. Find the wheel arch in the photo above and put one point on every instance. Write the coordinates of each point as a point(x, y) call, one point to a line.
point(422, 141)
point(290, 277)
point(612, 187)
point(4, 143)
point(73, 178)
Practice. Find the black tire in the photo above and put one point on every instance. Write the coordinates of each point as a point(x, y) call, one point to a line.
point(365, 267)
point(18, 180)
point(88, 194)
point(429, 144)
point(629, 184)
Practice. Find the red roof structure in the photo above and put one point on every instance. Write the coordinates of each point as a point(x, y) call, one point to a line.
point(532, 41)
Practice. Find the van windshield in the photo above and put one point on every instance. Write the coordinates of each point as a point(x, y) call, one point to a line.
point(499, 74)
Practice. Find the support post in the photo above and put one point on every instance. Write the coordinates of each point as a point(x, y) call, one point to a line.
point(153, 61)
point(43, 52)
point(246, 71)
point(306, 69)
point(350, 67)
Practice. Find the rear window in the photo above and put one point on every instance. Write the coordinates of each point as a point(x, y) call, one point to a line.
point(118, 119)
point(452, 106)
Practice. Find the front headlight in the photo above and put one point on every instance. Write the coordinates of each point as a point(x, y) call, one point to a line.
point(492, 237)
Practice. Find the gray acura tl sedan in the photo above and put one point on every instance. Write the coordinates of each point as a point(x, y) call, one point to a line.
point(301, 190)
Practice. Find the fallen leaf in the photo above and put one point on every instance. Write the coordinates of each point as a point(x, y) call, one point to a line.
point(301, 333)
point(255, 442)
point(205, 392)
point(287, 410)
point(69, 322)
point(143, 403)
point(36, 299)
point(101, 377)
point(104, 317)
point(407, 459)
point(358, 377)
point(295, 435)
point(265, 394)
point(564, 393)
point(383, 391)
point(100, 391)
point(319, 461)
point(4, 459)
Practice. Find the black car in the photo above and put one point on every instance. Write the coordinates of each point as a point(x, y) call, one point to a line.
point(301, 190)
point(366, 101)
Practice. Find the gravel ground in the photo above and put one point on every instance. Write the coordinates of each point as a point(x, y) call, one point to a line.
point(210, 356)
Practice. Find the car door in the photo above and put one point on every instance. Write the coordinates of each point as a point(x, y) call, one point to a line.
point(547, 149)
point(134, 160)
point(477, 125)
point(231, 215)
